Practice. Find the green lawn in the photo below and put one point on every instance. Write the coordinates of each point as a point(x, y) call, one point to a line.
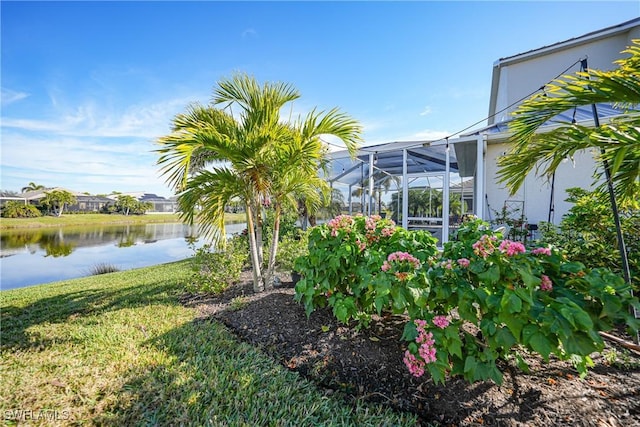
point(119, 349)
point(92, 219)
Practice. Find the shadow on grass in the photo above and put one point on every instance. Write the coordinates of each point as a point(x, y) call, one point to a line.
point(212, 379)
point(16, 319)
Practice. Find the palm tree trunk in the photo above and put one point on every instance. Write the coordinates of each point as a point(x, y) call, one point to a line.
point(258, 227)
point(256, 264)
point(273, 250)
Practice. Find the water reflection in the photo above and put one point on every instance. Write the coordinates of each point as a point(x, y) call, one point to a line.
point(43, 255)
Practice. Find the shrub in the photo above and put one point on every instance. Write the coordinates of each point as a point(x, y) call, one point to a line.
point(343, 268)
point(16, 209)
point(485, 299)
point(587, 233)
point(290, 248)
point(214, 270)
point(491, 297)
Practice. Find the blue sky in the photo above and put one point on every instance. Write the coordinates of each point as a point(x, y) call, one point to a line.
point(87, 87)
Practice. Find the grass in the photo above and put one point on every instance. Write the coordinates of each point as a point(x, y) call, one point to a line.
point(102, 268)
point(119, 349)
point(93, 219)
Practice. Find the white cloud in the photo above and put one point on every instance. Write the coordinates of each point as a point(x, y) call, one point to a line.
point(9, 96)
point(89, 120)
point(431, 134)
point(249, 33)
point(427, 110)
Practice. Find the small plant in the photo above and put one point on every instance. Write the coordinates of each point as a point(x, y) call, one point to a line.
point(238, 303)
point(103, 268)
point(514, 220)
point(214, 270)
point(290, 248)
point(587, 232)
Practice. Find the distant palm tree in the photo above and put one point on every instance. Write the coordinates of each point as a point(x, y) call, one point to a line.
point(57, 199)
point(214, 156)
point(32, 186)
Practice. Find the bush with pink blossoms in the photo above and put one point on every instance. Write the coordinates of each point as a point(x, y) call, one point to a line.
point(362, 265)
point(491, 298)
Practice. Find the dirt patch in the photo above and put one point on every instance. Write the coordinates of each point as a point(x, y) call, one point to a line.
point(367, 365)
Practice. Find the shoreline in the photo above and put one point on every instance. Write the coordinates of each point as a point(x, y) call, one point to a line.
point(97, 219)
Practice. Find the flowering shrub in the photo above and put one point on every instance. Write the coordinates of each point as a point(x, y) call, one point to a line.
point(484, 299)
point(491, 297)
point(360, 265)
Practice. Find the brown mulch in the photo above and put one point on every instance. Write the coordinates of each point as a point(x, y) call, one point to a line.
point(367, 365)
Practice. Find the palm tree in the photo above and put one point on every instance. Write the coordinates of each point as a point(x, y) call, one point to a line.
point(215, 155)
point(32, 186)
point(618, 140)
point(57, 199)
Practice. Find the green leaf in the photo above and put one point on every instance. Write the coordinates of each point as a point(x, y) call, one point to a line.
point(581, 344)
point(528, 278)
point(410, 332)
point(522, 364)
point(511, 302)
point(505, 338)
point(541, 344)
point(470, 364)
point(491, 276)
point(515, 324)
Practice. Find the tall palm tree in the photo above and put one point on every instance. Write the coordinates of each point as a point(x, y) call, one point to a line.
point(215, 155)
point(618, 140)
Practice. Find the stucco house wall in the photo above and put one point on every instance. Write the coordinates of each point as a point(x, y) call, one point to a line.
point(520, 75)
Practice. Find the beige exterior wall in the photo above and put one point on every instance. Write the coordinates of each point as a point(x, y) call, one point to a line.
point(536, 191)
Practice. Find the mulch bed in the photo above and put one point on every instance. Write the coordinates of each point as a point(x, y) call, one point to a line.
point(367, 365)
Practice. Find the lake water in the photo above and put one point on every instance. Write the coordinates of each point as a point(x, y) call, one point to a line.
point(35, 256)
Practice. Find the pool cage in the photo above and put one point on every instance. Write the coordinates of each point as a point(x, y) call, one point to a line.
point(419, 184)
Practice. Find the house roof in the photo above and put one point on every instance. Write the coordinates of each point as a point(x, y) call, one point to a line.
point(549, 49)
point(422, 157)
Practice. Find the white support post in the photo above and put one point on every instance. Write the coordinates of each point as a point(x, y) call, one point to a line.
point(370, 198)
point(405, 191)
point(350, 201)
point(445, 197)
point(479, 178)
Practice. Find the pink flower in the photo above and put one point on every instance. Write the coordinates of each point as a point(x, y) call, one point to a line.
point(484, 247)
point(441, 321)
point(415, 365)
point(448, 264)
point(542, 251)
point(404, 257)
point(511, 248)
point(426, 350)
point(385, 266)
point(388, 231)
point(463, 262)
point(545, 283)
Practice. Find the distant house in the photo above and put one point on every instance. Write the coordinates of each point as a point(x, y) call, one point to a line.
point(160, 204)
point(90, 203)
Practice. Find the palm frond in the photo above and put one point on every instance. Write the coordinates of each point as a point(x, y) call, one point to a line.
point(620, 87)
